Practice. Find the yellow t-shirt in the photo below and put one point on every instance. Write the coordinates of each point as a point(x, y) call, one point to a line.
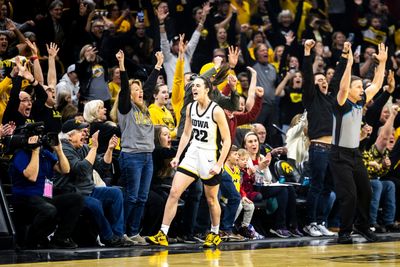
point(243, 11)
point(235, 174)
point(162, 116)
point(114, 90)
point(5, 87)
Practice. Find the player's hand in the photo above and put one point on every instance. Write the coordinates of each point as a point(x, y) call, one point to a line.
point(174, 162)
point(215, 170)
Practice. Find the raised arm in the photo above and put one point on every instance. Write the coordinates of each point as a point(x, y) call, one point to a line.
point(280, 89)
point(308, 75)
point(252, 114)
point(225, 22)
point(37, 69)
point(243, 45)
point(339, 70)
point(344, 87)
point(252, 89)
point(374, 111)
point(165, 48)
point(151, 81)
point(178, 87)
point(52, 50)
point(379, 73)
point(124, 96)
point(386, 130)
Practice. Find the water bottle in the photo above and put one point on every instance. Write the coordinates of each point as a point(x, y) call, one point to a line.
point(282, 179)
point(306, 181)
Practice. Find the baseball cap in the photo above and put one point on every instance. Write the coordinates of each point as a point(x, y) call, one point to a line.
point(73, 124)
point(71, 68)
point(175, 39)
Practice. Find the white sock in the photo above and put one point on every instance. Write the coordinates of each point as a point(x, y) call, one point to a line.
point(215, 229)
point(165, 228)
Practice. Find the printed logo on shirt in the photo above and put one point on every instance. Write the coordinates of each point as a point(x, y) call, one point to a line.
point(97, 71)
point(56, 114)
point(169, 123)
point(296, 97)
point(141, 119)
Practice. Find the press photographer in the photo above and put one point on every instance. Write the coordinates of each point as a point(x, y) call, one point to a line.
point(32, 169)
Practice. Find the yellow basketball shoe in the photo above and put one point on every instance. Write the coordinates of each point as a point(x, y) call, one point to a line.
point(212, 240)
point(159, 239)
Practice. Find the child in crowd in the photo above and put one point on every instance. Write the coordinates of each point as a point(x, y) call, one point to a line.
point(230, 186)
point(245, 204)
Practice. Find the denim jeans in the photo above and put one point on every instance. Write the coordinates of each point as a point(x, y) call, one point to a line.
point(285, 214)
point(228, 190)
point(191, 208)
point(107, 200)
point(321, 185)
point(136, 174)
point(385, 191)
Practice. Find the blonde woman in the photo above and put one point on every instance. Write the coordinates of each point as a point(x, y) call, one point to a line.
point(137, 145)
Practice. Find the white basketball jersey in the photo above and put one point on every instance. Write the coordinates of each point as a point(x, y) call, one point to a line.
point(204, 128)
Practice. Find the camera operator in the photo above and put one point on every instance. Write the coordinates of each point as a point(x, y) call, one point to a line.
point(31, 171)
point(100, 200)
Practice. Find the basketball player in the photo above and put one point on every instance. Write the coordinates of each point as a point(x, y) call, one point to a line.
point(206, 120)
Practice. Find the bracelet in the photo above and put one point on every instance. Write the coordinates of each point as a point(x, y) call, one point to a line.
point(32, 82)
point(201, 24)
point(345, 52)
point(162, 24)
point(33, 58)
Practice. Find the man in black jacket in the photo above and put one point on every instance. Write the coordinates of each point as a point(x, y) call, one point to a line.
point(83, 161)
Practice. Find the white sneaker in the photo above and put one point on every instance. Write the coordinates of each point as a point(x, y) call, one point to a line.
point(312, 230)
point(324, 231)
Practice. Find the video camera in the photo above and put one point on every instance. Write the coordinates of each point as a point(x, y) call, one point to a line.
point(20, 138)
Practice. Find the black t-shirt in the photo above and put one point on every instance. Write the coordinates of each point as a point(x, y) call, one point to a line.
point(50, 116)
point(291, 104)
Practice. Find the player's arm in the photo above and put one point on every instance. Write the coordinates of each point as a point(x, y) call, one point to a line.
point(187, 131)
point(220, 119)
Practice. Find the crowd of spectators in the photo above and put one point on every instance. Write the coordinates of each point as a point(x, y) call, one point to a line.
point(114, 80)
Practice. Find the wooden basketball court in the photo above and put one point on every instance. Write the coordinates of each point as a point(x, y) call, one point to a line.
point(304, 251)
